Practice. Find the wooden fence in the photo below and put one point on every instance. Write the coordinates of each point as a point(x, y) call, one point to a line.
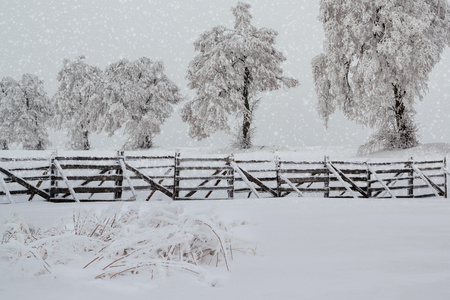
point(124, 177)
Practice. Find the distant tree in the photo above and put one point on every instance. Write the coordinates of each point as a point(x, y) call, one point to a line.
point(79, 101)
point(139, 95)
point(8, 91)
point(25, 110)
point(376, 61)
point(233, 66)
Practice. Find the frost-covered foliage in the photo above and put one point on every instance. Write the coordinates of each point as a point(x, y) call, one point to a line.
point(376, 61)
point(139, 95)
point(25, 110)
point(122, 241)
point(78, 101)
point(233, 66)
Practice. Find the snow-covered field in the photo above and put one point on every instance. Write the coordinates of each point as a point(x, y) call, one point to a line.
point(296, 248)
point(306, 248)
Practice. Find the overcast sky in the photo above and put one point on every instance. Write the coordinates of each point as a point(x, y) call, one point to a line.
point(35, 37)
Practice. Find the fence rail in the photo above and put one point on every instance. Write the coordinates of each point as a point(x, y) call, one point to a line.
point(129, 178)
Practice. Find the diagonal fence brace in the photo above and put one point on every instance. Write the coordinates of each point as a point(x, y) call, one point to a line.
point(71, 190)
point(25, 184)
point(436, 190)
point(374, 173)
point(152, 183)
point(346, 182)
point(285, 179)
point(255, 180)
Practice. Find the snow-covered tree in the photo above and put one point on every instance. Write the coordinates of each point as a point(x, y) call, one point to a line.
point(139, 95)
point(78, 101)
point(25, 110)
point(9, 88)
point(376, 61)
point(232, 67)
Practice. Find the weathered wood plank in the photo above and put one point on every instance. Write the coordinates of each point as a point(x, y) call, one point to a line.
point(28, 178)
point(305, 171)
point(201, 199)
point(430, 162)
point(143, 157)
point(65, 200)
point(390, 171)
point(303, 190)
point(207, 178)
point(263, 179)
point(253, 161)
point(44, 168)
point(154, 167)
point(182, 168)
point(89, 167)
point(86, 158)
point(204, 159)
point(291, 162)
point(401, 187)
point(203, 188)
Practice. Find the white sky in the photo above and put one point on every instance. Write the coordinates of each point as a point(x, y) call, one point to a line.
point(35, 37)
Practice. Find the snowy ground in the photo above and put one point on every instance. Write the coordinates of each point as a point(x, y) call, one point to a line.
point(306, 248)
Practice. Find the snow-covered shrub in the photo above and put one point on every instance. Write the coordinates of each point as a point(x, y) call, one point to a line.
point(387, 137)
point(122, 241)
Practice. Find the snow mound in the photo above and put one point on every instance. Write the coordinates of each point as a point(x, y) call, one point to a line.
point(425, 151)
point(120, 241)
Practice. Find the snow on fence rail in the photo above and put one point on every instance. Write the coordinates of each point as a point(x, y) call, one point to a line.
point(124, 177)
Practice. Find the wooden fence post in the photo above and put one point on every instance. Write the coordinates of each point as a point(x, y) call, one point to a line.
point(52, 175)
point(445, 177)
point(411, 181)
point(119, 182)
point(176, 175)
point(230, 172)
point(277, 173)
point(326, 183)
point(369, 184)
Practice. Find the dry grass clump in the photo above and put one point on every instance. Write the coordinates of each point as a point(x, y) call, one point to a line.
point(122, 241)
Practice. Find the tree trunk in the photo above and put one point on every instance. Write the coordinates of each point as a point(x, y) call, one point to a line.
point(405, 130)
point(4, 145)
point(85, 140)
point(147, 143)
point(39, 146)
point(246, 138)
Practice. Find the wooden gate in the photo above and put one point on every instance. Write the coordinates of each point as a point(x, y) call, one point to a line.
point(128, 178)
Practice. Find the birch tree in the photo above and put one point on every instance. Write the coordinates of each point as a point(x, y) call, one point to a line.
point(376, 61)
point(79, 101)
point(140, 96)
point(232, 67)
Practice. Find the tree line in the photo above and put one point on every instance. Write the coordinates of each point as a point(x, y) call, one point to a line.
point(376, 60)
